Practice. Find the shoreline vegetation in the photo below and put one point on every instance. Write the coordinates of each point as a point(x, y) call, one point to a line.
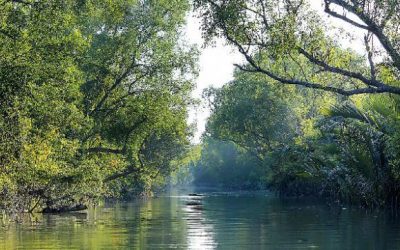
point(94, 104)
point(305, 114)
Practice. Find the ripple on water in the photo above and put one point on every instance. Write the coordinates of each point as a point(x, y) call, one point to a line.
point(209, 221)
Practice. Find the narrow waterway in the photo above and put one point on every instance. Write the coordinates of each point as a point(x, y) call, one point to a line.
point(210, 221)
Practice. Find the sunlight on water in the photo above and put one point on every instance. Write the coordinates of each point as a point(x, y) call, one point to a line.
point(213, 221)
point(200, 232)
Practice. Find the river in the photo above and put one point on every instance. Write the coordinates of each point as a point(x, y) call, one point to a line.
point(212, 221)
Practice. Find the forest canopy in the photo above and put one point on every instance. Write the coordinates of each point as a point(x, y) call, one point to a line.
point(271, 34)
point(95, 95)
point(93, 102)
point(321, 118)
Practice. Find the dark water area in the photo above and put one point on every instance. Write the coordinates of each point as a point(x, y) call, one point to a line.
point(211, 221)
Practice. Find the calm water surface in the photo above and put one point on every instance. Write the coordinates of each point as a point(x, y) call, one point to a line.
point(213, 221)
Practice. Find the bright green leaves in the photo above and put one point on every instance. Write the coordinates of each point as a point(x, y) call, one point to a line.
point(138, 83)
point(90, 90)
point(306, 142)
point(246, 112)
point(274, 35)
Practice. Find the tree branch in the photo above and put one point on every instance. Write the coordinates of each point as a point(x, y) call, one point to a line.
point(370, 56)
point(340, 71)
point(128, 171)
point(117, 82)
point(105, 150)
point(372, 85)
point(318, 86)
point(376, 29)
point(342, 17)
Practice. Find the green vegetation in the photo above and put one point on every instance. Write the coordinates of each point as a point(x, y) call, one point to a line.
point(345, 150)
point(303, 105)
point(94, 96)
point(224, 165)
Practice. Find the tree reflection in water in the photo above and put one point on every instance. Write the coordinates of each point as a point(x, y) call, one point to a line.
point(214, 221)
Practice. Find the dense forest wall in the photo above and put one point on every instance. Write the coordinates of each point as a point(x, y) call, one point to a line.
point(322, 117)
point(93, 99)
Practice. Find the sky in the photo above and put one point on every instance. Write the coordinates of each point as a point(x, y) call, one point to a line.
point(216, 69)
point(216, 62)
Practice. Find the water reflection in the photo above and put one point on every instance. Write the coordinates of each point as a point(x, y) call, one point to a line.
point(213, 221)
point(200, 231)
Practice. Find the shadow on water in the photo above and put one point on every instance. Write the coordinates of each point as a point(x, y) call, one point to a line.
point(216, 220)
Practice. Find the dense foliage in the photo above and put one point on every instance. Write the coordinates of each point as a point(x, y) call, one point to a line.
point(304, 102)
point(308, 143)
point(226, 166)
point(93, 99)
point(277, 31)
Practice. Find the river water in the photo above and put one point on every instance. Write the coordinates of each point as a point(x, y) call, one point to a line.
point(211, 221)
